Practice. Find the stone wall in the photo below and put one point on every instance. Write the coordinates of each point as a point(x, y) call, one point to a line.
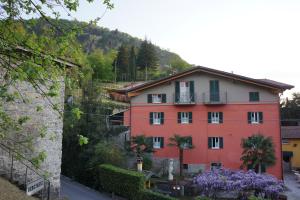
point(45, 126)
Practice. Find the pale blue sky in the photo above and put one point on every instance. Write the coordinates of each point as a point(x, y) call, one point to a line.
point(256, 38)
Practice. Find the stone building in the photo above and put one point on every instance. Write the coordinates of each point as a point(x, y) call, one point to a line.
point(45, 127)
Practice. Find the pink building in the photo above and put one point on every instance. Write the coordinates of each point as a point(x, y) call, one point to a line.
point(216, 108)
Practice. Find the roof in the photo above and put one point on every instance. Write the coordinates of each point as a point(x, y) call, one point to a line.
point(259, 82)
point(290, 132)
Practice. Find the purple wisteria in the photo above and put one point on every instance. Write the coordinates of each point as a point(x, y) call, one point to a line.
point(241, 182)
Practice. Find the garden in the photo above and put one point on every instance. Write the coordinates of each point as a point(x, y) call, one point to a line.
point(212, 184)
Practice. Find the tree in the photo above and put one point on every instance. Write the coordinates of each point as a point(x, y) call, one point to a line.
point(132, 63)
point(140, 145)
point(258, 152)
point(147, 57)
point(182, 143)
point(123, 63)
point(290, 111)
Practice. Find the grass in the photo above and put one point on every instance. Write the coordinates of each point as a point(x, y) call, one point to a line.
point(9, 191)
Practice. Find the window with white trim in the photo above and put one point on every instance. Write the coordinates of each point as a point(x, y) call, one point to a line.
point(215, 117)
point(156, 98)
point(156, 118)
point(157, 142)
point(184, 117)
point(215, 142)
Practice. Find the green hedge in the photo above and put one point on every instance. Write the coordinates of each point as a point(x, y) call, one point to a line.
point(150, 195)
point(126, 183)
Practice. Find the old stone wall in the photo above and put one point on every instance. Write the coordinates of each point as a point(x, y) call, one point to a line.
point(44, 126)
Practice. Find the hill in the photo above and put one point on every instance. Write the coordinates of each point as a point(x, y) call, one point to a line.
point(93, 37)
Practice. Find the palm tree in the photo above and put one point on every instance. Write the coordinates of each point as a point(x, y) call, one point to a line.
point(182, 143)
point(139, 145)
point(258, 152)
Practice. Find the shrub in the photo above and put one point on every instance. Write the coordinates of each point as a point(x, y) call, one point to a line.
point(150, 195)
point(147, 163)
point(126, 183)
point(228, 180)
point(202, 198)
point(108, 153)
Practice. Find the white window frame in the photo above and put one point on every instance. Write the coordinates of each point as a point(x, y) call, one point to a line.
point(156, 98)
point(215, 167)
point(156, 118)
point(184, 117)
point(184, 96)
point(215, 143)
point(156, 142)
point(215, 117)
point(254, 117)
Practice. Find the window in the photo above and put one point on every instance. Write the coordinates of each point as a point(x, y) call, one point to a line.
point(253, 96)
point(255, 117)
point(185, 117)
point(285, 141)
point(185, 166)
point(215, 142)
point(158, 142)
point(184, 91)
point(157, 98)
point(156, 118)
point(215, 117)
point(215, 165)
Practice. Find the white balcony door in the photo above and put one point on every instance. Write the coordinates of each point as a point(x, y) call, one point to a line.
point(184, 91)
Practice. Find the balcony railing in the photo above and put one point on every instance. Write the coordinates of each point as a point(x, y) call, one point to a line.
point(214, 98)
point(186, 98)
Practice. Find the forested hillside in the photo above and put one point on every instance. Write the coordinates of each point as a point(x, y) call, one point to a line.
point(94, 37)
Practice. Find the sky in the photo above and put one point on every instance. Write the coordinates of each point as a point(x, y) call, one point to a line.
point(255, 38)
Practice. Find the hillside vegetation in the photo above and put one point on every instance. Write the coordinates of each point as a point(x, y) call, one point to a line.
point(95, 37)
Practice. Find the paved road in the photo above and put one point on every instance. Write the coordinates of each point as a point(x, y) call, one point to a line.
point(293, 186)
point(75, 191)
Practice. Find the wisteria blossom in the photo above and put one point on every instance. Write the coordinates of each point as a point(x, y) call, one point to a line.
point(241, 182)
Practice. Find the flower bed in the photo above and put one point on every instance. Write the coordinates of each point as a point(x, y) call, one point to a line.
point(243, 183)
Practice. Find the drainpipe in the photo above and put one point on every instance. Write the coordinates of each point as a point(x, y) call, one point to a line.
point(279, 113)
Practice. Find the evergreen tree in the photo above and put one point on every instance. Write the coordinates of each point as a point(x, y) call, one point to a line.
point(147, 57)
point(123, 63)
point(132, 64)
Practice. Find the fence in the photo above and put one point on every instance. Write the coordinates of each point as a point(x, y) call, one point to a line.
point(22, 172)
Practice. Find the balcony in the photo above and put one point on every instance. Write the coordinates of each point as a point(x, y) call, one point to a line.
point(186, 98)
point(219, 98)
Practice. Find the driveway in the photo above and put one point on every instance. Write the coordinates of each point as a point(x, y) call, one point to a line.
point(75, 191)
point(293, 186)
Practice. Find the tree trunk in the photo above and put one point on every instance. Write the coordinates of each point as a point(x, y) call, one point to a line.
point(180, 161)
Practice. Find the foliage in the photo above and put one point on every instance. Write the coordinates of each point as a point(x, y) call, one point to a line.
point(122, 182)
point(140, 145)
point(109, 153)
point(147, 163)
point(258, 151)
point(102, 64)
point(182, 143)
point(290, 110)
point(228, 180)
point(150, 195)
point(252, 197)
point(202, 198)
point(147, 57)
